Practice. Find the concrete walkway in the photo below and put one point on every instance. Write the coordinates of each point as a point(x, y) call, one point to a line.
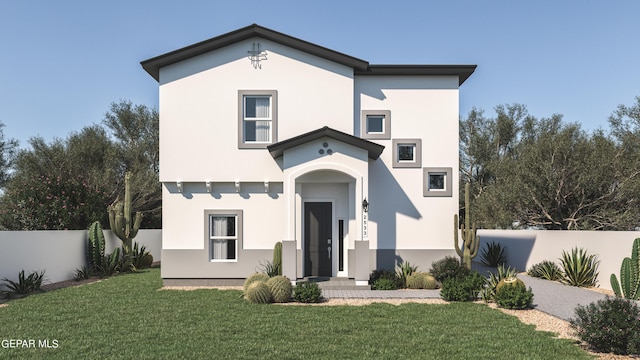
point(548, 296)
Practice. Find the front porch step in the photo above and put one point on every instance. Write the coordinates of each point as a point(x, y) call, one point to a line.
point(335, 283)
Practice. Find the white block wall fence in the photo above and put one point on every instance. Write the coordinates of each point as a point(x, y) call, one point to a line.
point(59, 252)
point(525, 248)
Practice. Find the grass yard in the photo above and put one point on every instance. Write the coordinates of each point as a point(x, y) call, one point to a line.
point(126, 317)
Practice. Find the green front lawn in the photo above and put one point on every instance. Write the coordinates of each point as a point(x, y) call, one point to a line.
point(126, 317)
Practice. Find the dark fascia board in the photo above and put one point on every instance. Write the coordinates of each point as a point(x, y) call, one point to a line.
point(153, 65)
point(374, 150)
point(461, 71)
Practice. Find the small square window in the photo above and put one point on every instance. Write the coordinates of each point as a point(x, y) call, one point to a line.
point(407, 153)
point(375, 124)
point(437, 182)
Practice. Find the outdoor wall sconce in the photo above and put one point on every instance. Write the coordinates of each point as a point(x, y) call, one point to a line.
point(208, 185)
point(237, 185)
point(266, 186)
point(179, 185)
point(365, 205)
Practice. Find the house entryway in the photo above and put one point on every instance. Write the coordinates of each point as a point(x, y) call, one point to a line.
point(318, 242)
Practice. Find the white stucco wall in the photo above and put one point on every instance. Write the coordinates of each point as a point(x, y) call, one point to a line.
point(199, 110)
point(425, 108)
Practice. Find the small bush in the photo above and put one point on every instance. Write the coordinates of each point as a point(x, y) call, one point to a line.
point(514, 297)
point(384, 274)
point(384, 284)
point(448, 267)
point(609, 325)
point(493, 255)
point(25, 284)
point(579, 268)
point(491, 283)
point(141, 258)
point(462, 288)
point(253, 278)
point(307, 292)
point(545, 270)
point(82, 273)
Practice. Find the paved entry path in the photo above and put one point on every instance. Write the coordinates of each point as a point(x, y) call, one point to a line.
point(548, 296)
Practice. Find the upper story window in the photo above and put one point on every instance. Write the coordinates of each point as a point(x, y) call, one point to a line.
point(407, 153)
point(375, 124)
point(257, 118)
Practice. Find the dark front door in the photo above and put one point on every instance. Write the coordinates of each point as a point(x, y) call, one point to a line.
point(317, 239)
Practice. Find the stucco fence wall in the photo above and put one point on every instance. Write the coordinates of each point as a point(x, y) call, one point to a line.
point(59, 252)
point(525, 248)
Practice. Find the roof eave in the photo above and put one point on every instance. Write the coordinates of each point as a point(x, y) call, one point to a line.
point(153, 65)
point(461, 71)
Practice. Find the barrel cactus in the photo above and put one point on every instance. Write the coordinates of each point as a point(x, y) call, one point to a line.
point(258, 293)
point(255, 277)
point(510, 281)
point(280, 288)
point(430, 282)
point(415, 281)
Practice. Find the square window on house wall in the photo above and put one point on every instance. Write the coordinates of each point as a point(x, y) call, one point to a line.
point(257, 118)
point(407, 153)
point(224, 234)
point(437, 182)
point(375, 124)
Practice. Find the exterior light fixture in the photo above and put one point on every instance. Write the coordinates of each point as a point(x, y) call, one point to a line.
point(365, 205)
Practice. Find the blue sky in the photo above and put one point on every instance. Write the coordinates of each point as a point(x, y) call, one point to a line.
point(62, 63)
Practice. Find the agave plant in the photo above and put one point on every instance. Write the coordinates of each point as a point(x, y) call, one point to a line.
point(25, 284)
point(488, 293)
point(493, 255)
point(546, 269)
point(579, 268)
point(403, 271)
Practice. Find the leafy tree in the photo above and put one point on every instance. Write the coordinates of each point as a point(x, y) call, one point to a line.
point(8, 150)
point(546, 173)
point(135, 129)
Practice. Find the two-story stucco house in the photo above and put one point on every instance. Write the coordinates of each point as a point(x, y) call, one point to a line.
point(265, 137)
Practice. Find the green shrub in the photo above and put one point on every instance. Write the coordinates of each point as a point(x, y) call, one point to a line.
point(384, 284)
point(384, 274)
point(111, 264)
point(307, 292)
point(253, 278)
point(462, 288)
point(579, 268)
point(82, 273)
point(609, 325)
point(25, 284)
point(493, 255)
point(514, 296)
point(280, 288)
point(403, 271)
point(141, 258)
point(258, 293)
point(448, 267)
point(488, 292)
point(545, 270)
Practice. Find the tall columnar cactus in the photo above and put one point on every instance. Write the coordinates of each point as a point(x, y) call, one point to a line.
point(277, 257)
point(629, 275)
point(469, 248)
point(95, 245)
point(123, 225)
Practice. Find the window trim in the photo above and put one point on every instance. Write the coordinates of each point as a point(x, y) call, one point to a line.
point(386, 134)
point(417, 154)
point(207, 233)
point(447, 192)
point(274, 118)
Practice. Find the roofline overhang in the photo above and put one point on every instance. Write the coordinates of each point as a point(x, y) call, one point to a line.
point(153, 65)
point(373, 150)
point(461, 71)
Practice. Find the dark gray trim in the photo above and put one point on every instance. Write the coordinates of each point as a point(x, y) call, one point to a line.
point(239, 234)
point(417, 154)
point(153, 65)
point(447, 192)
point(373, 149)
point(461, 71)
point(274, 118)
point(386, 135)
